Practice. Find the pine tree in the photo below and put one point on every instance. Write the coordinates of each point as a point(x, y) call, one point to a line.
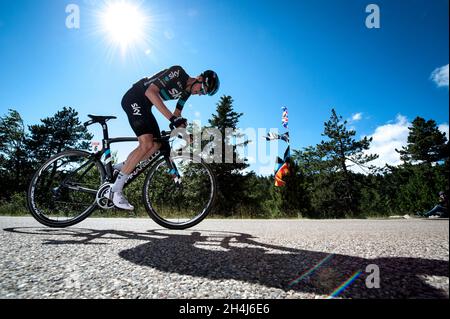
point(426, 143)
point(339, 153)
point(423, 168)
point(57, 133)
point(14, 165)
point(231, 181)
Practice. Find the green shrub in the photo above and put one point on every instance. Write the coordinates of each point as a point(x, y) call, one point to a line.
point(16, 206)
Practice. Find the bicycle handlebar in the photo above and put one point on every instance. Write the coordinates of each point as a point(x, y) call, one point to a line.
point(167, 135)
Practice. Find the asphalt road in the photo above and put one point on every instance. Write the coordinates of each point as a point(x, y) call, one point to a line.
point(135, 258)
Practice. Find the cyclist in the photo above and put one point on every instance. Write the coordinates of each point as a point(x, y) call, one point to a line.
point(170, 84)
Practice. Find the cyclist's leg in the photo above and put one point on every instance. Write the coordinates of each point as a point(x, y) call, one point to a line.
point(142, 152)
point(153, 150)
point(143, 123)
point(137, 107)
point(145, 144)
point(146, 130)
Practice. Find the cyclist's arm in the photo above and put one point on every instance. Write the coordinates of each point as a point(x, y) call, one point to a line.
point(152, 94)
point(177, 113)
point(180, 104)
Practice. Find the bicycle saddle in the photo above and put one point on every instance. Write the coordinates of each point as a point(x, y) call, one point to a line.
point(100, 119)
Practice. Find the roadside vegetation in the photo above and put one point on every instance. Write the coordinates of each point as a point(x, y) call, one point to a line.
point(323, 183)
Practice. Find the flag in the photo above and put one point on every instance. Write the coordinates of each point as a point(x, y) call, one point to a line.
point(284, 117)
point(285, 137)
point(274, 136)
point(283, 168)
point(281, 173)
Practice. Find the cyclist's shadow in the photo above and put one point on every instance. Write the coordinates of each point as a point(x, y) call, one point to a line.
point(237, 256)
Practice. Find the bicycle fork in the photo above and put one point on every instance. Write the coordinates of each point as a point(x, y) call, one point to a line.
point(173, 171)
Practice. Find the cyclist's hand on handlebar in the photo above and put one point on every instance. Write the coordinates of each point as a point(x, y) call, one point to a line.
point(176, 122)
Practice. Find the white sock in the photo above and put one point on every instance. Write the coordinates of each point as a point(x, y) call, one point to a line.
point(119, 166)
point(120, 181)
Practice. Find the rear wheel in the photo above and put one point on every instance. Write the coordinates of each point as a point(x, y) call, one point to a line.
point(63, 191)
point(179, 201)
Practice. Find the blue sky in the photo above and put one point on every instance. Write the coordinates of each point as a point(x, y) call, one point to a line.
point(308, 55)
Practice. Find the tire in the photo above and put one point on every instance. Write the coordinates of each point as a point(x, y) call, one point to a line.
point(179, 207)
point(53, 198)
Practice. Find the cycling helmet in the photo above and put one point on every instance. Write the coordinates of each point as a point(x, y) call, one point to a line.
point(211, 81)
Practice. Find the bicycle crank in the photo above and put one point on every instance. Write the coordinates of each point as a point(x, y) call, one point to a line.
point(102, 199)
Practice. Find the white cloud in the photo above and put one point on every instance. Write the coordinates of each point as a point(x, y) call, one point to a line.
point(440, 76)
point(353, 119)
point(386, 139)
point(389, 137)
point(444, 129)
point(357, 117)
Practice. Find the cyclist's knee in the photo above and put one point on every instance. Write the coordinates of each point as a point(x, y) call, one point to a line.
point(145, 147)
point(146, 143)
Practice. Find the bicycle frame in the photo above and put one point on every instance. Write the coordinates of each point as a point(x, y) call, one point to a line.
point(48, 212)
point(141, 167)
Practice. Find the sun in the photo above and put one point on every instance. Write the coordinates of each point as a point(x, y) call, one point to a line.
point(124, 24)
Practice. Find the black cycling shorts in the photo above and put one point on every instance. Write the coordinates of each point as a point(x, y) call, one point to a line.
point(139, 110)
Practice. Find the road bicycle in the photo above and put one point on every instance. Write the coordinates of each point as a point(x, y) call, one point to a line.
point(178, 192)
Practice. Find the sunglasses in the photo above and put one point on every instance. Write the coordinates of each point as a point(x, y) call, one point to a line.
point(204, 88)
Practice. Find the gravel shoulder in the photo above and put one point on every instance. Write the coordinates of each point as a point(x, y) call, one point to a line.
point(280, 259)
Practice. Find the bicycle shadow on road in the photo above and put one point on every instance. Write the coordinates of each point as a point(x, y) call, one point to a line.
point(238, 256)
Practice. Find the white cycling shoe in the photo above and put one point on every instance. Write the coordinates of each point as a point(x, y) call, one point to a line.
point(119, 200)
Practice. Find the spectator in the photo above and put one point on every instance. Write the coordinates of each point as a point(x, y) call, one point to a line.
point(440, 209)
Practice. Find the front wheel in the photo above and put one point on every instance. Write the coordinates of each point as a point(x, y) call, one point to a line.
point(179, 194)
point(63, 191)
